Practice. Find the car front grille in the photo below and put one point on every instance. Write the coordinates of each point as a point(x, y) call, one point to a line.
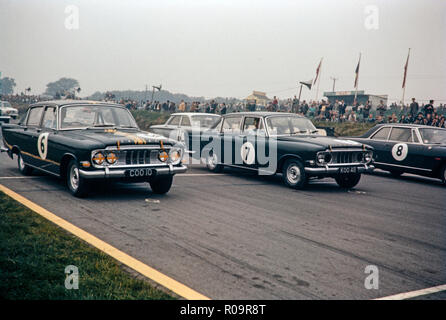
point(138, 157)
point(346, 157)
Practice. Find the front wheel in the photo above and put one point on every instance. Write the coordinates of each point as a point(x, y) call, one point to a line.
point(293, 174)
point(23, 168)
point(348, 181)
point(76, 184)
point(212, 162)
point(443, 175)
point(161, 185)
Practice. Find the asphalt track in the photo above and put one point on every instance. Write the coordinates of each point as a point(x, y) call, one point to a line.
point(241, 236)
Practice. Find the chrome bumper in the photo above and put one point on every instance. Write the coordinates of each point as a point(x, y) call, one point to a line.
point(120, 173)
point(327, 171)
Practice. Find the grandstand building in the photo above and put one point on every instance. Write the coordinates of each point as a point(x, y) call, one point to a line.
point(362, 98)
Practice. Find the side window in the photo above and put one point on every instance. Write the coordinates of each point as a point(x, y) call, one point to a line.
point(49, 118)
point(34, 116)
point(231, 125)
point(185, 122)
point(175, 121)
point(382, 134)
point(253, 126)
point(401, 134)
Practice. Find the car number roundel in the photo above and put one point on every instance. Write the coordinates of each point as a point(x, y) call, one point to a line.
point(42, 144)
point(248, 153)
point(399, 151)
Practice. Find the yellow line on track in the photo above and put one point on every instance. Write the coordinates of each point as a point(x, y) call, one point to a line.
point(167, 282)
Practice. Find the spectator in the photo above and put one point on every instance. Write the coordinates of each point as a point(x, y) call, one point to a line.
point(414, 107)
point(381, 108)
point(429, 108)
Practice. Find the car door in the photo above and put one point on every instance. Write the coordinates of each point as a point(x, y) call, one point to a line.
point(184, 132)
point(378, 140)
point(407, 151)
point(252, 142)
point(230, 129)
point(31, 131)
point(46, 145)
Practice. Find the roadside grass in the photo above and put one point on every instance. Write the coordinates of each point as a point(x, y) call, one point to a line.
point(146, 118)
point(34, 253)
point(346, 129)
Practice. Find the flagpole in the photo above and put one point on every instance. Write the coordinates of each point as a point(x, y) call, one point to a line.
point(405, 75)
point(319, 79)
point(357, 81)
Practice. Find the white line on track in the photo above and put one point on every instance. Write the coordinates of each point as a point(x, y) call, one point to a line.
point(198, 174)
point(413, 294)
point(19, 177)
point(179, 174)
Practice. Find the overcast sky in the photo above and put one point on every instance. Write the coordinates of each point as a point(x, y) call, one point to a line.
point(227, 48)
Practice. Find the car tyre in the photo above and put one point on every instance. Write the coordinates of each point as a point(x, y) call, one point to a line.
point(443, 175)
point(293, 174)
point(348, 181)
point(76, 184)
point(23, 167)
point(161, 185)
point(212, 162)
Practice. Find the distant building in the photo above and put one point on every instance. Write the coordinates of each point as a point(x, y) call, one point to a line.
point(258, 97)
point(362, 98)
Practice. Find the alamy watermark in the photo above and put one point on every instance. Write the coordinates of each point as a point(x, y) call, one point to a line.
point(72, 277)
point(72, 17)
point(372, 280)
point(371, 21)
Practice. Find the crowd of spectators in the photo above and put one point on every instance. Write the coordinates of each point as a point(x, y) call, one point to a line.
point(323, 110)
point(22, 98)
point(339, 111)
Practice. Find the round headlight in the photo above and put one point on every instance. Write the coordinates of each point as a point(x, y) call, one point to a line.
point(111, 158)
point(98, 158)
point(368, 156)
point(323, 158)
point(163, 156)
point(175, 155)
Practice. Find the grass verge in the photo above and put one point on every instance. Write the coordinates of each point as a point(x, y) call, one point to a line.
point(146, 118)
point(34, 253)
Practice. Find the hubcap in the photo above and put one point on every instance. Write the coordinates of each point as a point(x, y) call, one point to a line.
point(21, 163)
point(212, 161)
point(74, 177)
point(293, 174)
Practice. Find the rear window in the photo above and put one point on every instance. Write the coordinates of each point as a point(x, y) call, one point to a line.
point(174, 121)
point(232, 124)
point(34, 116)
point(382, 134)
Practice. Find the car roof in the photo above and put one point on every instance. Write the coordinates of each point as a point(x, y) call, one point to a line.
point(75, 102)
point(264, 113)
point(194, 114)
point(408, 125)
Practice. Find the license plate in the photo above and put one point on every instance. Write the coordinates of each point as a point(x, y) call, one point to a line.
point(135, 173)
point(348, 170)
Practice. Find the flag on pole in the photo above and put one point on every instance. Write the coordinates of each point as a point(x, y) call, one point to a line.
point(317, 71)
point(405, 70)
point(308, 83)
point(357, 72)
